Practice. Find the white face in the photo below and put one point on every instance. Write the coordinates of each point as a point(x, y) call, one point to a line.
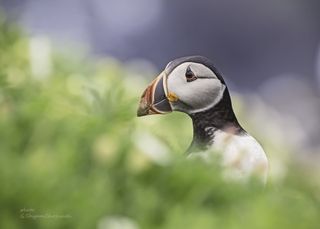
point(200, 93)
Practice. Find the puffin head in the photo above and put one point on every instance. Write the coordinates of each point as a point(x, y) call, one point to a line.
point(188, 84)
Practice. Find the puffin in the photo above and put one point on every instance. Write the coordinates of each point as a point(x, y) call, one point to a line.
point(194, 86)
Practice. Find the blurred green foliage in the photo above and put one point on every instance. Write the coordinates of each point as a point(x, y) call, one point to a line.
point(70, 157)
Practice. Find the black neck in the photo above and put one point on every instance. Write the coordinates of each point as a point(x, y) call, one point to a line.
point(219, 117)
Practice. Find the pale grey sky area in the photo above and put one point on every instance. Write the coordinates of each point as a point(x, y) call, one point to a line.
point(250, 41)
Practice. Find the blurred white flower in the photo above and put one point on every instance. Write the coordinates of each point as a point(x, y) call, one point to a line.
point(40, 57)
point(117, 222)
point(152, 147)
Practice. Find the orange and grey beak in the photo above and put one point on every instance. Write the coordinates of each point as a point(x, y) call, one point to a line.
point(154, 98)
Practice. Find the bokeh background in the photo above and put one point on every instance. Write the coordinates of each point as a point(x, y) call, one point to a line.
point(74, 155)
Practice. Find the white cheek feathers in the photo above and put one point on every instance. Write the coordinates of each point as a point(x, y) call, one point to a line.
point(198, 95)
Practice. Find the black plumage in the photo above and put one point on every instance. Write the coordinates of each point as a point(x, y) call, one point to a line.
point(219, 117)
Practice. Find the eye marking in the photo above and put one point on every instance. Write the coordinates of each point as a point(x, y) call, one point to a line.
point(190, 76)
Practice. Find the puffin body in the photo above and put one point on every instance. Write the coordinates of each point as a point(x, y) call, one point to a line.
point(194, 86)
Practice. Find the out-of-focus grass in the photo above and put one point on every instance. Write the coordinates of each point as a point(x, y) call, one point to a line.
point(73, 155)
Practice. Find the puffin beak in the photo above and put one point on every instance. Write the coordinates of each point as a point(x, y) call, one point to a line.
point(154, 98)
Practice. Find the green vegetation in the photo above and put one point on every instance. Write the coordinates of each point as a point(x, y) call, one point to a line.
point(73, 155)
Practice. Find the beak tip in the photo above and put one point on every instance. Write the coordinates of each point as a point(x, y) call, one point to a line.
point(140, 114)
point(142, 110)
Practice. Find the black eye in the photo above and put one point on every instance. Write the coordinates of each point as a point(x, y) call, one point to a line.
point(190, 75)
